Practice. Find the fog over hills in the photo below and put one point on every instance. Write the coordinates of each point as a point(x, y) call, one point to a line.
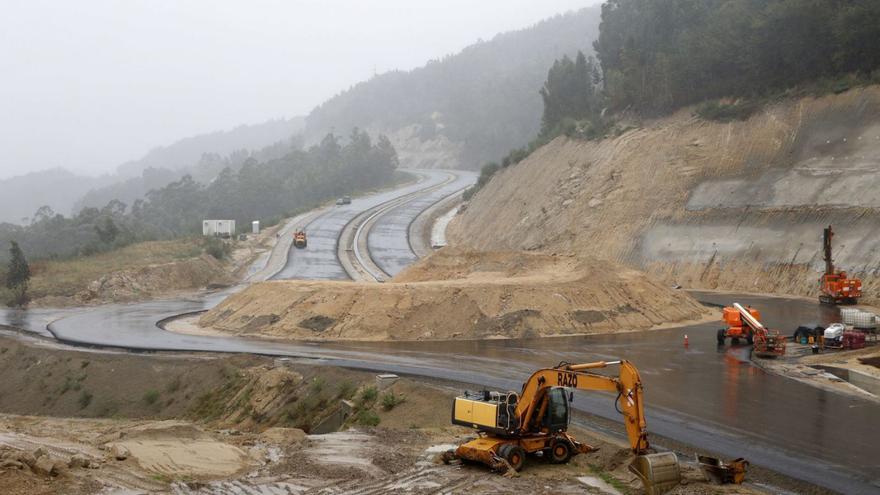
point(65, 191)
point(467, 108)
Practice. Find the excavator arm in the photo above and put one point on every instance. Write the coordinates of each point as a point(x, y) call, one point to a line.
point(627, 385)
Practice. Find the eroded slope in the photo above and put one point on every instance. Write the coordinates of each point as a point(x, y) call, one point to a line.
point(736, 205)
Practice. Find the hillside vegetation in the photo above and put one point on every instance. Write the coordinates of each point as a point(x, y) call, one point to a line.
point(257, 191)
point(22, 195)
point(658, 55)
point(166, 165)
point(202, 156)
point(463, 109)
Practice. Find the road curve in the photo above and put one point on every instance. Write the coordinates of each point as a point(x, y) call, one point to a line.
point(388, 241)
point(319, 261)
point(712, 398)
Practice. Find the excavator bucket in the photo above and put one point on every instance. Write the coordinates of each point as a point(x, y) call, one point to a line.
point(659, 472)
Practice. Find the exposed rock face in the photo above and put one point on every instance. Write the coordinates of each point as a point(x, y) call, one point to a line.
point(737, 205)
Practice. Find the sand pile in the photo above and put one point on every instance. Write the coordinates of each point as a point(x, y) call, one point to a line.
point(457, 294)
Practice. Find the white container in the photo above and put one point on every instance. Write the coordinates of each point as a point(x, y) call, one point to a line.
point(834, 331)
point(865, 320)
point(222, 228)
point(255, 227)
point(848, 315)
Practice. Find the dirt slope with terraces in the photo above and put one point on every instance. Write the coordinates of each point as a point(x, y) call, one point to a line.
point(738, 205)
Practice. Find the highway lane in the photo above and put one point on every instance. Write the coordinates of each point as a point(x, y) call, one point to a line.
point(388, 239)
point(319, 260)
point(713, 399)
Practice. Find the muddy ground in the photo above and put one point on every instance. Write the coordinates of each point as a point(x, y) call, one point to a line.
point(214, 424)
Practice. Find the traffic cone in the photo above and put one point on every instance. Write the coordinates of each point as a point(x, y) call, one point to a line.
point(685, 340)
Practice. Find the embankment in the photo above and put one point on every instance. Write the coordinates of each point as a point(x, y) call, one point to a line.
point(457, 294)
point(738, 205)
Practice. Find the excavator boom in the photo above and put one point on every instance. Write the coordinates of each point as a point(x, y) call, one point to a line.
point(627, 385)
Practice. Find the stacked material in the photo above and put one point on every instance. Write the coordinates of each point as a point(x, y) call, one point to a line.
point(858, 318)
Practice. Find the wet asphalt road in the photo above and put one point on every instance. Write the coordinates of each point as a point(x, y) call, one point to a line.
point(388, 240)
point(319, 260)
point(709, 397)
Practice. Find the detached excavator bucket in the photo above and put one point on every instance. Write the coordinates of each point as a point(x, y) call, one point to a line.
point(659, 472)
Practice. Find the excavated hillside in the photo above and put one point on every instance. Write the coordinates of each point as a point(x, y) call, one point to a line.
point(457, 294)
point(737, 206)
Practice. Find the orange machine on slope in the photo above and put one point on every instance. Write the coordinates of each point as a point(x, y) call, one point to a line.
point(743, 323)
point(834, 286)
point(299, 239)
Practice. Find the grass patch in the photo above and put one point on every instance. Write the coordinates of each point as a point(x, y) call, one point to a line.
point(720, 111)
point(173, 385)
point(608, 478)
point(369, 395)
point(151, 397)
point(85, 398)
point(346, 390)
point(366, 417)
point(390, 400)
point(69, 276)
point(317, 385)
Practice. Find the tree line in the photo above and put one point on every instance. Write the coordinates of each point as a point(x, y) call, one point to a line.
point(265, 191)
point(658, 55)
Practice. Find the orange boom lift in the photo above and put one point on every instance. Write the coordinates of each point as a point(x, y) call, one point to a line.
point(834, 286)
point(745, 323)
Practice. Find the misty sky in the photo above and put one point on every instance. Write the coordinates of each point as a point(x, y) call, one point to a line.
point(89, 84)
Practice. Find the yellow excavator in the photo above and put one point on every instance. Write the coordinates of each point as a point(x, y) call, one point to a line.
point(512, 426)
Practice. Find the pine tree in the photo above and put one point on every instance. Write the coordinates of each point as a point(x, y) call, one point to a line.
point(19, 272)
point(18, 275)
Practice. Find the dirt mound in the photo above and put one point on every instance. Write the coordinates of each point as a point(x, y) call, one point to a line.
point(459, 264)
point(737, 205)
point(129, 285)
point(476, 295)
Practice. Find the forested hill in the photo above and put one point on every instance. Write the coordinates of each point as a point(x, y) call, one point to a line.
point(187, 152)
point(659, 55)
point(202, 156)
point(476, 105)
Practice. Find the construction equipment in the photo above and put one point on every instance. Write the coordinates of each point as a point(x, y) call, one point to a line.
point(299, 239)
point(834, 286)
point(745, 323)
point(723, 472)
point(512, 425)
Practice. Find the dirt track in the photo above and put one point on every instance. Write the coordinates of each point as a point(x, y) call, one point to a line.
point(457, 294)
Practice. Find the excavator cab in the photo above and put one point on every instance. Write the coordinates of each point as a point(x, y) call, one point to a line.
point(557, 417)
